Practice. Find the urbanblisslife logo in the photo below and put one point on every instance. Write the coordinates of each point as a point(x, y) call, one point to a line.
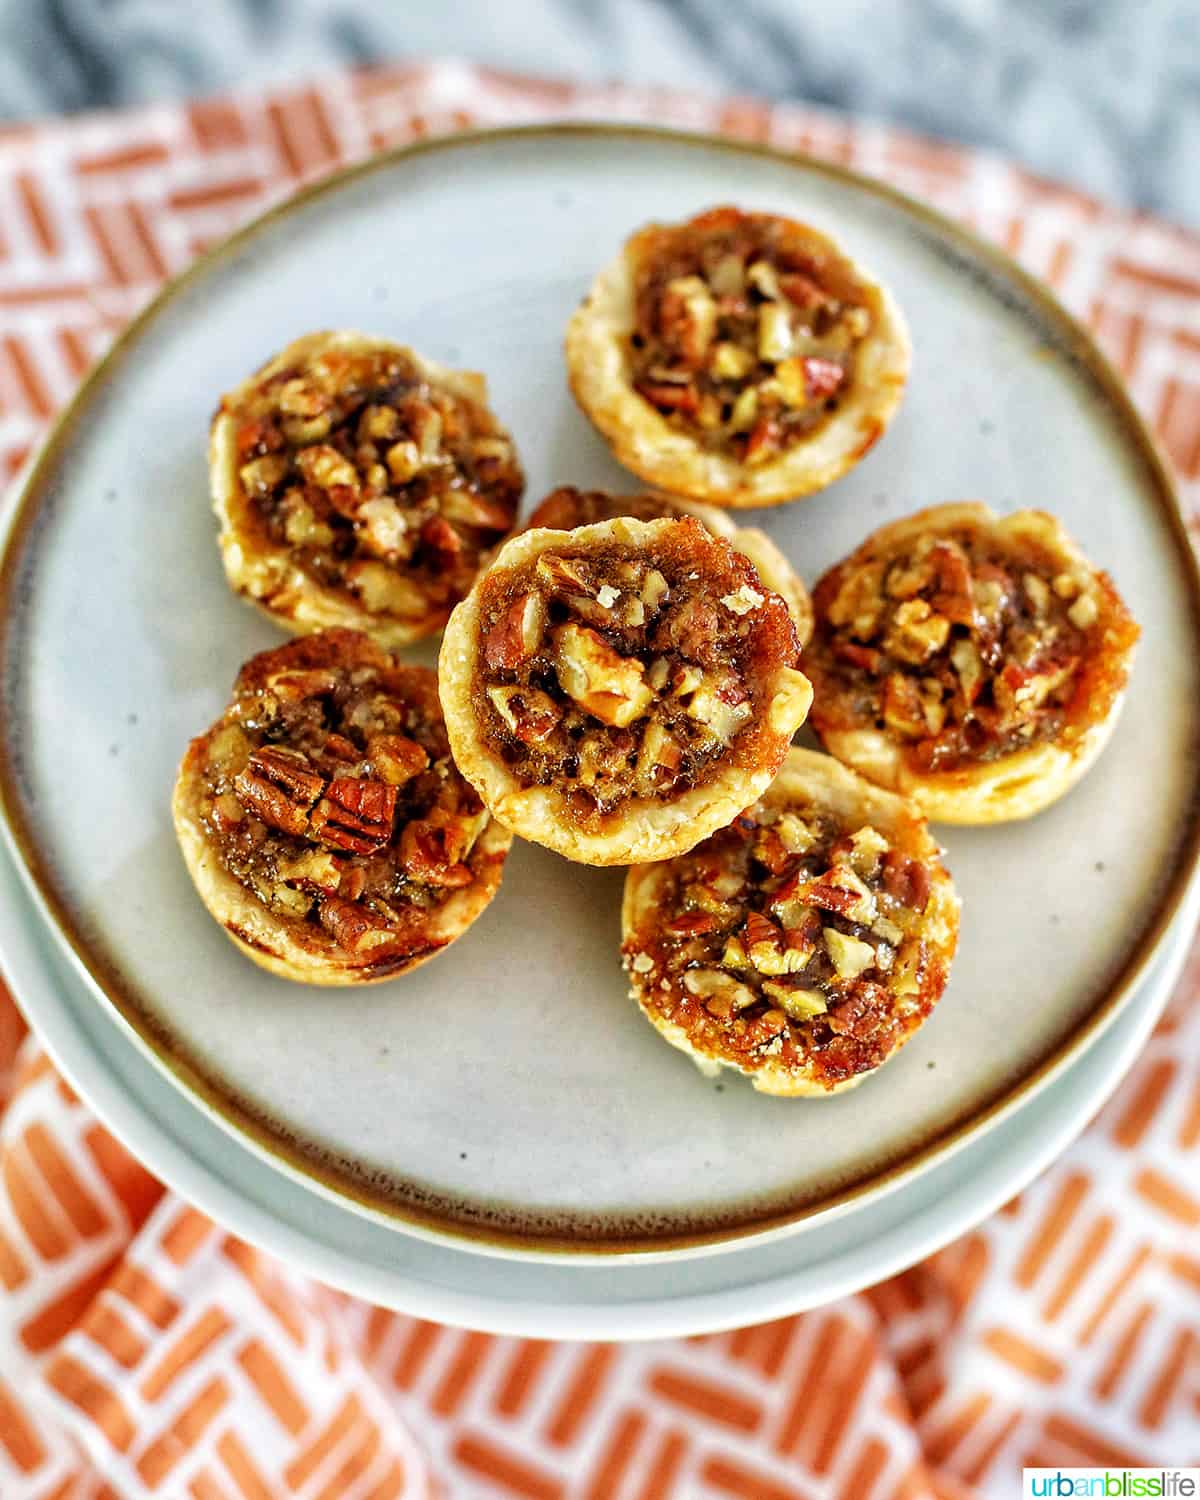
point(1112, 1484)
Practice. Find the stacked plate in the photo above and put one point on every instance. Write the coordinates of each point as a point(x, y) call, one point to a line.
point(498, 1139)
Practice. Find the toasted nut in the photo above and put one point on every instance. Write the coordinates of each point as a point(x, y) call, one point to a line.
point(396, 758)
point(517, 634)
point(1037, 591)
point(384, 591)
point(916, 633)
point(688, 305)
point(301, 526)
point(302, 398)
point(262, 475)
point(730, 362)
point(966, 661)
point(745, 410)
point(355, 926)
point(598, 678)
point(761, 275)
point(654, 589)
point(794, 834)
point(530, 714)
point(728, 277)
point(280, 787)
point(355, 814)
point(1084, 613)
point(850, 955)
point(431, 852)
point(378, 424)
point(714, 985)
point(403, 461)
point(384, 528)
point(793, 382)
point(325, 467)
point(774, 332)
point(868, 846)
point(903, 710)
point(314, 869)
point(800, 1005)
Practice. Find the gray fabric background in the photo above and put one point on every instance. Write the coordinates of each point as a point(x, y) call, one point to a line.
point(1102, 93)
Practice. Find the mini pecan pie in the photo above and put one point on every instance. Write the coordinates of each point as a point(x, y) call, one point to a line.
point(359, 484)
point(805, 943)
point(974, 662)
point(739, 358)
point(322, 819)
point(565, 508)
point(618, 691)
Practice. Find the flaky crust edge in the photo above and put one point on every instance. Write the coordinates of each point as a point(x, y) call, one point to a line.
point(646, 829)
point(647, 445)
point(270, 940)
point(261, 571)
point(811, 776)
point(1019, 785)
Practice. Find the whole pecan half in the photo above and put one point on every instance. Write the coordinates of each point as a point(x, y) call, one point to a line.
point(355, 814)
point(280, 787)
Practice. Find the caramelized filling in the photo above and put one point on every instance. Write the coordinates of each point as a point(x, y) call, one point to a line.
point(329, 793)
point(620, 671)
point(746, 330)
point(792, 937)
point(377, 480)
point(965, 647)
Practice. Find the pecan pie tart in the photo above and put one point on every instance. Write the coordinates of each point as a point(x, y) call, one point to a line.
point(565, 508)
point(322, 819)
point(359, 484)
point(618, 691)
point(974, 662)
point(739, 358)
point(804, 944)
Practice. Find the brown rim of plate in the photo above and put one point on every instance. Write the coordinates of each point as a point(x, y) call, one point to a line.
point(268, 1139)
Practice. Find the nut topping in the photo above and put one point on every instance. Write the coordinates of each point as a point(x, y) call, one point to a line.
point(608, 685)
point(279, 787)
point(747, 328)
point(355, 814)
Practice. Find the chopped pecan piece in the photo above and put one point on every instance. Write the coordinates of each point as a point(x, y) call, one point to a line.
point(517, 634)
point(431, 851)
point(397, 758)
point(529, 713)
point(355, 814)
point(598, 678)
point(355, 926)
point(280, 787)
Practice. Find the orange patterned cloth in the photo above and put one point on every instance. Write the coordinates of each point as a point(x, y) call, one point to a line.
point(145, 1352)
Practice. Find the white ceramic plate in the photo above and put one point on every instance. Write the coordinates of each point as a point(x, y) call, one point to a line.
point(510, 1091)
point(633, 1298)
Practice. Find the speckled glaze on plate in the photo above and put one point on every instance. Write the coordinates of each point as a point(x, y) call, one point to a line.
point(509, 1093)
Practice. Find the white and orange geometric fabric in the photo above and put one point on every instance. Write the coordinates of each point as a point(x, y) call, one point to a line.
point(145, 1352)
